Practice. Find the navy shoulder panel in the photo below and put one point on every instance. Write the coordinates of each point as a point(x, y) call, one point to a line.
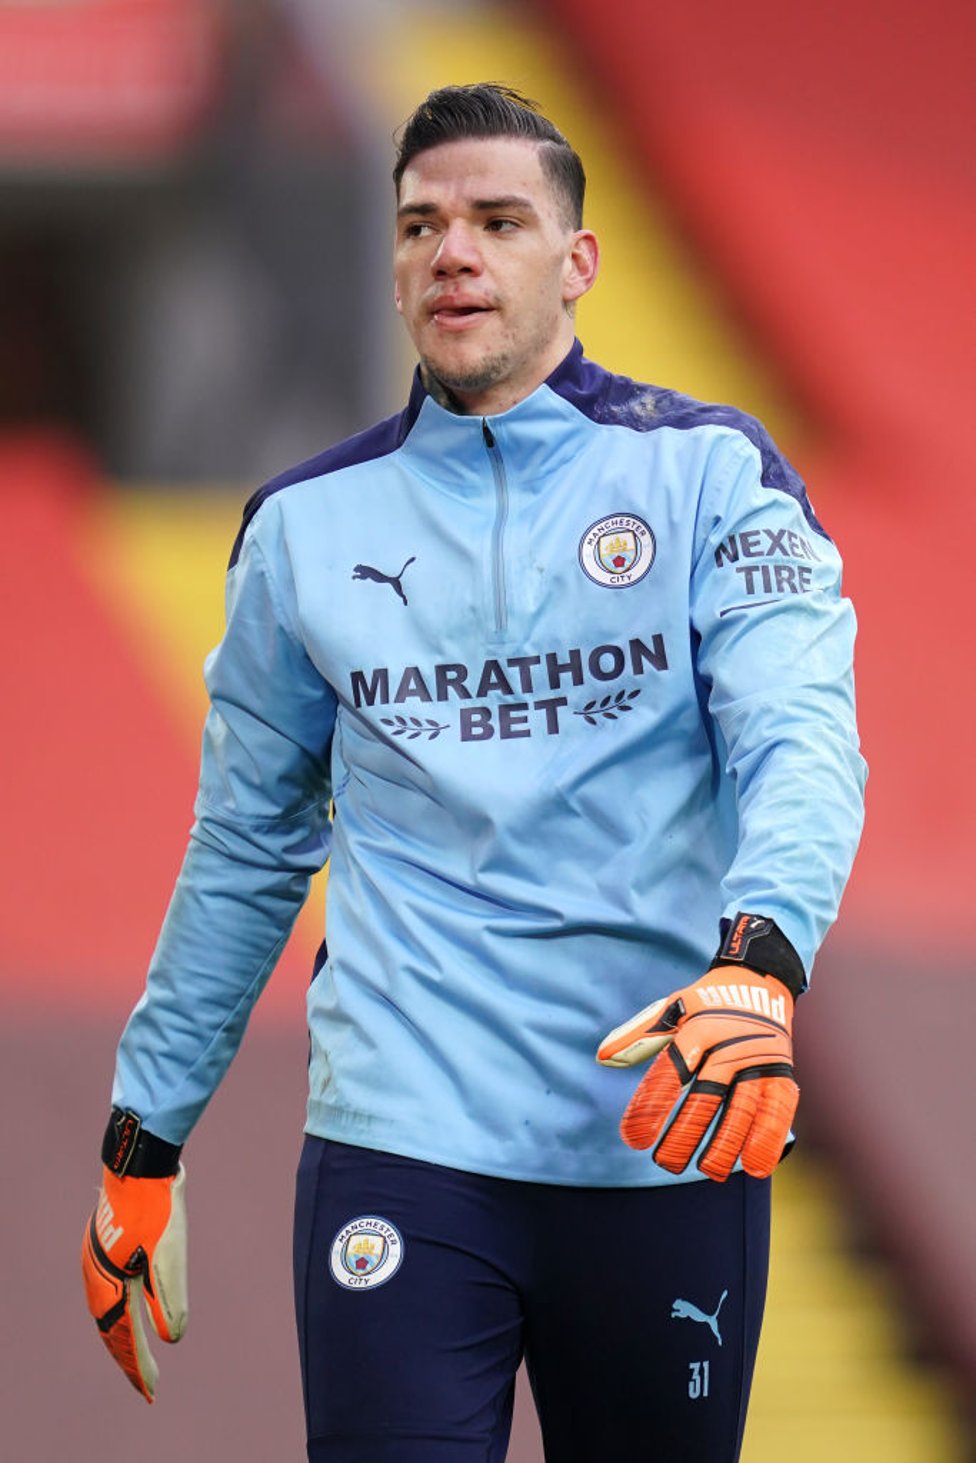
point(619, 401)
point(376, 441)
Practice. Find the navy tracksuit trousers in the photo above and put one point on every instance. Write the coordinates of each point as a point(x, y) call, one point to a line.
point(419, 1289)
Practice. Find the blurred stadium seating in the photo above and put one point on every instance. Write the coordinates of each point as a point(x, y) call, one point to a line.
point(193, 254)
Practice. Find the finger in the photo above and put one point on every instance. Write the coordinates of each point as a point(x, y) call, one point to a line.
point(113, 1302)
point(680, 1142)
point(104, 1282)
point(126, 1341)
point(166, 1282)
point(725, 1145)
point(770, 1131)
point(652, 1102)
point(643, 1036)
point(755, 1126)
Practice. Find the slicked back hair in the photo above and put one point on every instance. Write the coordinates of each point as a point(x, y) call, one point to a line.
point(487, 109)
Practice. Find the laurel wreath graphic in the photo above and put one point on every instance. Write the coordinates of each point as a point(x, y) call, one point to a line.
point(608, 707)
point(412, 727)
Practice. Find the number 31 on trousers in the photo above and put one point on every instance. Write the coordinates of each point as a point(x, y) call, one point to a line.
point(698, 1380)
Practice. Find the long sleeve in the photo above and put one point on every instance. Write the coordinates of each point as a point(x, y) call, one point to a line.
point(261, 830)
point(775, 657)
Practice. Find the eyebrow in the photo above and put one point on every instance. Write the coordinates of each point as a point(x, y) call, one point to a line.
point(478, 205)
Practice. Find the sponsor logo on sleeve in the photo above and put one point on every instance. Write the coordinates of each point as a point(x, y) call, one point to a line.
point(765, 565)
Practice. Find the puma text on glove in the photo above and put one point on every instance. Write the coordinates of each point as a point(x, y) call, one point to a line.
point(135, 1246)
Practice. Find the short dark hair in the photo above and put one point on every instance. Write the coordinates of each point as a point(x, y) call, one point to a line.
point(487, 109)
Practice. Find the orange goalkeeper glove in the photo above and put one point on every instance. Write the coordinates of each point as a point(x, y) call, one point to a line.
point(725, 1042)
point(134, 1248)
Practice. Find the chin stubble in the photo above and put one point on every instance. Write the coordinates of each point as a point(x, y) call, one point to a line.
point(487, 372)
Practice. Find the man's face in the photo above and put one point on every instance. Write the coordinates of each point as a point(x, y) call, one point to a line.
point(486, 267)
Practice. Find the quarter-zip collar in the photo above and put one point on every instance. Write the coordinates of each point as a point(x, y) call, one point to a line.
point(537, 438)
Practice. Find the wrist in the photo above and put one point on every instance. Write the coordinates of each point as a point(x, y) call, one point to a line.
point(128, 1151)
point(756, 943)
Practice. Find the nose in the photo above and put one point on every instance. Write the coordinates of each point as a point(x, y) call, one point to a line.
point(457, 252)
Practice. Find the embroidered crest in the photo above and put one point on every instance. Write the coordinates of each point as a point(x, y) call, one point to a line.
point(366, 1251)
point(617, 551)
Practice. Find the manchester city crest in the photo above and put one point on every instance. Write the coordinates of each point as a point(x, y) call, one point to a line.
point(617, 551)
point(367, 1251)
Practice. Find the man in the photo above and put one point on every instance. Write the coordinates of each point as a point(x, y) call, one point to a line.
point(569, 657)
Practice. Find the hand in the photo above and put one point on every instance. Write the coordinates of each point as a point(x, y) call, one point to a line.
point(728, 1041)
point(135, 1246)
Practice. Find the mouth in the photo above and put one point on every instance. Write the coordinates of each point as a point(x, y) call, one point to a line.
point(458, 316)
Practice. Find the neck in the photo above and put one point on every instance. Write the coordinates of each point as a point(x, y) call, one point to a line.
point(495, 399)
point(490, 401)
point(442, 394)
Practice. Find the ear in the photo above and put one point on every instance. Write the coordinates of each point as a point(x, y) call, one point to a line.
point(582, 265)
point(396, 297)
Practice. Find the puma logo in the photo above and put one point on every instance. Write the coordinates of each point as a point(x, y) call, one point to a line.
point(683, 1310)
point(366, 571)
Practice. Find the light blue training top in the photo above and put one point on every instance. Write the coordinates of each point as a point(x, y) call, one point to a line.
point(578, 679)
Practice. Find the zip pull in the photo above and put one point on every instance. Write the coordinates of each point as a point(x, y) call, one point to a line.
point(488, 434)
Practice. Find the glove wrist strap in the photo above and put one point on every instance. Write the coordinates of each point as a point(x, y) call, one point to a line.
point(758, 944)
point(129, 1151)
